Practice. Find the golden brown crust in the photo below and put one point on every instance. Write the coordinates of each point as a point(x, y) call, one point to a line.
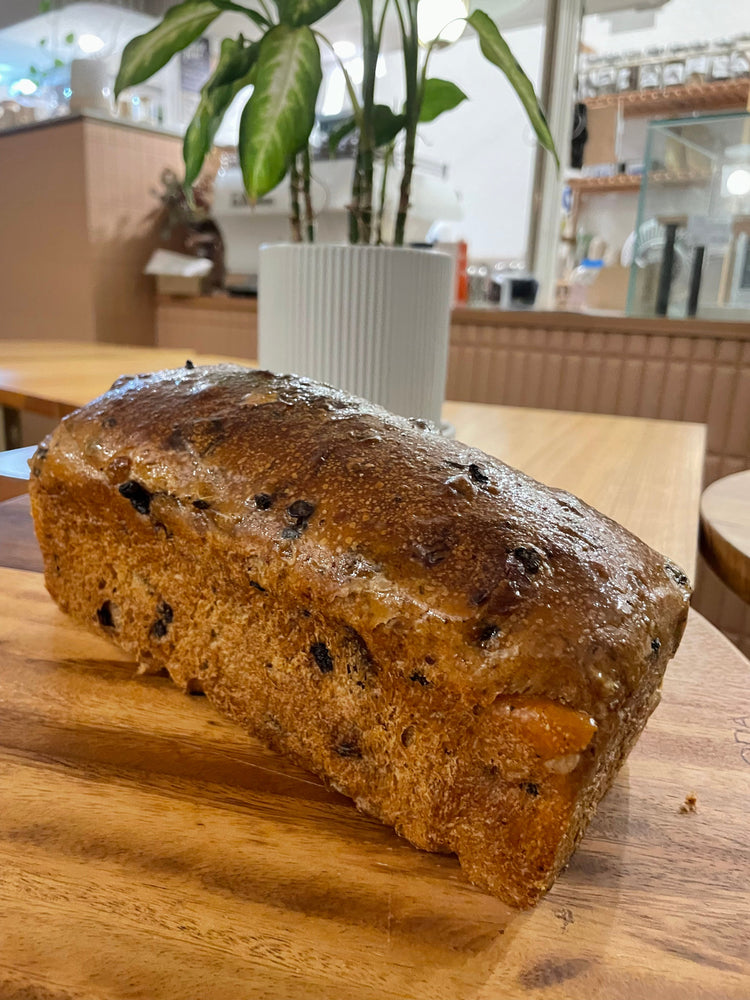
point(484, 613)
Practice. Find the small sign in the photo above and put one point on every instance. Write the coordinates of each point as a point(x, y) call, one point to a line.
point(195, 65)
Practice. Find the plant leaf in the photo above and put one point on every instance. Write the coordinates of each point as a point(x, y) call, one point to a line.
point(297, 12)
point(70, 38)
point(439, 96)
point(496, 50)
point(254, 16)
point(146, 54)
point(345, 128)
point(386, 125)
point(278, 118)
point(233, 72)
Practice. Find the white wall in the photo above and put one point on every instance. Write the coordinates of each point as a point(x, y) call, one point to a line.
point(677, 22)
point(486, 142)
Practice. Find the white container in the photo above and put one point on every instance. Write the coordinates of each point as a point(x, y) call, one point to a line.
point(374, 321)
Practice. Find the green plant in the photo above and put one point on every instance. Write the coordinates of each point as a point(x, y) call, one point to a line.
point(284, 67)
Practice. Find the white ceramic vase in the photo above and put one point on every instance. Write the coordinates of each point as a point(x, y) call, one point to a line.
point(374, 321)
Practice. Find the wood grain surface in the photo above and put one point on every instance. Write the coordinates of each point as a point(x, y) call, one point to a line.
point(725, 531)
point(148, 849)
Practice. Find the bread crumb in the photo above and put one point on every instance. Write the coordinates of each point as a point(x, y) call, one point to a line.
point(565, 914)
point(690, 805)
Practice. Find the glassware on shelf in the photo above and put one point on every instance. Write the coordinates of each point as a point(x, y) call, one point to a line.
point(739, 61)
point(651, 71)
point(604, 77)
point(674, 66)
point(720, 60)
point(627, 72)
point(697, 63)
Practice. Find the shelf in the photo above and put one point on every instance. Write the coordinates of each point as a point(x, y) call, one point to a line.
point(720, 94)
point(605, 185)
point(632, 182)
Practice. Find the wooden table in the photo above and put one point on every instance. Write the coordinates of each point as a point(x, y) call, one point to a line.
point(644, 473)
point(725, 530)
point(149, 850)
point(54, 377)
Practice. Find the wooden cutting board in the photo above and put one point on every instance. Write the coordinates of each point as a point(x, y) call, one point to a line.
point(148, 849)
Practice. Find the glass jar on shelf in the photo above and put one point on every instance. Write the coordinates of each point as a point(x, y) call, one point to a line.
point(604, 76)
point(739, 60)
point(651, 71)
point(720, 60)
point(674, 66)
point(584, 89)
point(697, 63)
point(627, 72)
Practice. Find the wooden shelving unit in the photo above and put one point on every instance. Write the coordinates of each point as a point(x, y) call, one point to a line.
point(605, 185)
point(718, 95)
point(632, 182)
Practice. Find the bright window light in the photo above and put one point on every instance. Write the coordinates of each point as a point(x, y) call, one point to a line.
point(90, 44)
point(380, 67)
point(335, 92)
point(23, 86)
point(345, 50)
point(738, 182)
point(356, 68)
point(440, 17)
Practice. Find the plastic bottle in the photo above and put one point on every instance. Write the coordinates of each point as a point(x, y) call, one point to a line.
point(581, 280)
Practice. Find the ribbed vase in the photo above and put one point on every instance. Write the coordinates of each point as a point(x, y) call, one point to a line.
point(373, 321)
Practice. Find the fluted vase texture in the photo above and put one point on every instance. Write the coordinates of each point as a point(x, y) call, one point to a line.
point(374, 321)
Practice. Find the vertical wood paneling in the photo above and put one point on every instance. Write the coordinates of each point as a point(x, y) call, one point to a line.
point(590, 378)
point(651, 388)
point(672, 399)
point(630, 387)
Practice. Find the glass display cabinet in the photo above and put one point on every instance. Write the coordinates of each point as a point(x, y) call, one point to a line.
point(690, 253)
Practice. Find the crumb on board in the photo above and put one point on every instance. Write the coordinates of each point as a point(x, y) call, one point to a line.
point(690, 805)
point(565, 914)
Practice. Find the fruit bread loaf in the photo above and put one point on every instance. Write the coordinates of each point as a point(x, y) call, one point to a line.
point(466, 653)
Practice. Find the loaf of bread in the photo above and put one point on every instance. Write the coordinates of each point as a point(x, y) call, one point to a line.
point(466, 653)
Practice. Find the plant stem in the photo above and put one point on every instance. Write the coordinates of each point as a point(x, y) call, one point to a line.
point(387, 161)
point(309, 217)
point(367, 129)
point(412, 108)
point(354, 207)
point(294, 192)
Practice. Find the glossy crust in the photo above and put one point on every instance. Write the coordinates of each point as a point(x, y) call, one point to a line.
point(469, 654)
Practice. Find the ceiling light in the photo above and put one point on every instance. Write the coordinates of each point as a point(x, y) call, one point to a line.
point(23, 86)
point(444, 18)
point(90, 44)
point(345, 50)
point(738, 182)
